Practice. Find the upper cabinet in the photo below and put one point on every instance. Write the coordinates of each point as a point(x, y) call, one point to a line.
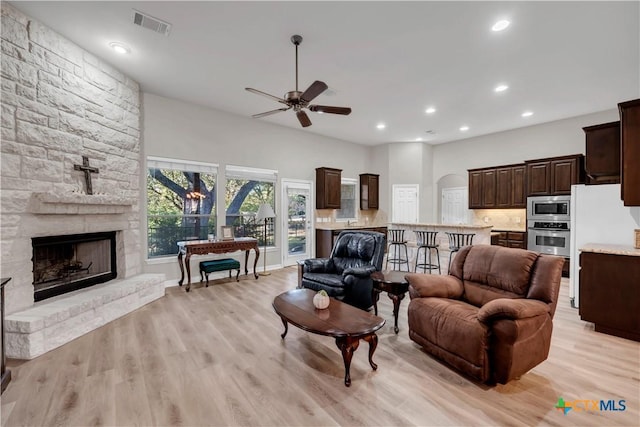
point(498, 187)
point(328, 181)
point(554, 176)
point(369, 187)
point(602, 160)
point(475, 189)
point(630, 151)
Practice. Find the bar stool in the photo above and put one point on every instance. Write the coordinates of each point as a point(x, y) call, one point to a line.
point(456, 241)
point(426, 240)
point(396, 243)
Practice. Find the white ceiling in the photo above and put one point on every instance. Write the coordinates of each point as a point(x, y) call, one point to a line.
point(388, 61)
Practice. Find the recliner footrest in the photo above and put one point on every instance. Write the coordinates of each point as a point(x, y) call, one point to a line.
point(225, 264)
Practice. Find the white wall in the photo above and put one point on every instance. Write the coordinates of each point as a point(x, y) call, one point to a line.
point(412, 163)
point(179, 130)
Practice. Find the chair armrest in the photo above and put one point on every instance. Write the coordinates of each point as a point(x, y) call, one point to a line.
point(359, 271)
point(432, 285)
point(507, 308)
point(317, 265)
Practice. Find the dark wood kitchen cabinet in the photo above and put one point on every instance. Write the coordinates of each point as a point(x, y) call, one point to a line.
point(482, 188)
point(504, 178)
point(328, 186)
point(609, 293)
point(489, 188)
point(510, 187)
point(475, 189)
point(602, 158)
point(630, 151)
point(554, 176)
point(519, 186)
point(369, 187)
point(497, 187)
point(511, 239)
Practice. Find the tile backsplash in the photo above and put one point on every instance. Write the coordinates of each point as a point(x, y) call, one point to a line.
point(501, 219)
point(364, 217)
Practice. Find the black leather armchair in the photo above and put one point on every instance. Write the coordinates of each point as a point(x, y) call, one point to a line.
point(345, 275)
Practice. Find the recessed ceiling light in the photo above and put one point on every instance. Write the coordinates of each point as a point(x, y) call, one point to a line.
point(418, 139)
point(500, 25)
point(120, 48)
point(381, 126)
point(430, 110)
point(501, 88)
point(527, 114)
point(464, 128)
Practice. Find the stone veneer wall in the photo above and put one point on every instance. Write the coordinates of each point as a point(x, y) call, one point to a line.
point(59, 103)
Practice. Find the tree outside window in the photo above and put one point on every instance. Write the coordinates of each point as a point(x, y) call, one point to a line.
point(243, 198)
point(180, 206)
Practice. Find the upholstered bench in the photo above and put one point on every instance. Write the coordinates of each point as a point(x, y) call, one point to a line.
point(207, 267)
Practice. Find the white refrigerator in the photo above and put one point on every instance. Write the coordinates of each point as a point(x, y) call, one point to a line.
point(598, 215)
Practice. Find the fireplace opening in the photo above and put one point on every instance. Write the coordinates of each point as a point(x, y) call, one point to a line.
point(63, 264)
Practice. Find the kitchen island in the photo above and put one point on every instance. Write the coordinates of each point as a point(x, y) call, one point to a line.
point(482, 232)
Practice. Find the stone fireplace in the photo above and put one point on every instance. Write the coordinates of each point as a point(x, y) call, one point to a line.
point(66, 113)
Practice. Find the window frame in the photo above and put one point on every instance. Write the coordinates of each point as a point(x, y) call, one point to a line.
point(354, 183)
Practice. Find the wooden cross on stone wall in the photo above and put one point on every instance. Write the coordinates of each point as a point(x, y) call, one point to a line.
point(88, 170)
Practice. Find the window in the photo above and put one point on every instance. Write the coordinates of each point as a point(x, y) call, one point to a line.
point(248, 188)
point(347, 209)
point(181, 200)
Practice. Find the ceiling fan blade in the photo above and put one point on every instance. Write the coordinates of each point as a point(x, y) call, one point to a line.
point(268, 113)
point(314, 90)
point(303, 118)
point(259, 92)
point(331, 110)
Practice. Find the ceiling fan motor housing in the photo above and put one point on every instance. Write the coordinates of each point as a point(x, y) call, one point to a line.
point(293, 97)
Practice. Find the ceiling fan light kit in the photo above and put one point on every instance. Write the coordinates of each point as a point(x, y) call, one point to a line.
point(300, 100)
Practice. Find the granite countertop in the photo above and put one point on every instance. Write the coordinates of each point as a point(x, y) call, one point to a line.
point(519, 230)
point(606, 248)
point(420, 224)
point(338, 226)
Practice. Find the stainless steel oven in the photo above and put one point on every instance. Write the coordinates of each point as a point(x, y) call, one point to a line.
point(549, 208)
point(549, 237)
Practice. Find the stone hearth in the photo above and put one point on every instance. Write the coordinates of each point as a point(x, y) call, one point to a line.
point(58, 320)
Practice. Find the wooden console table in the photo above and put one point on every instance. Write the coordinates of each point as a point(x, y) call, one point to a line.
point(204, 247)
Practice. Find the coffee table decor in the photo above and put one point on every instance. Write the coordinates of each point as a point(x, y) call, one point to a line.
point(321, 300)
point(347, 324)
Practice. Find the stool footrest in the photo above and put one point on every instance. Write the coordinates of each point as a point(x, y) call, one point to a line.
point(224, 264)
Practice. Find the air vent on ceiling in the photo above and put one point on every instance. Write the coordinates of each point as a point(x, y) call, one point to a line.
point(151, 23)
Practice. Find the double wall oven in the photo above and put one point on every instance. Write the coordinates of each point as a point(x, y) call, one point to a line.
point(549, 224)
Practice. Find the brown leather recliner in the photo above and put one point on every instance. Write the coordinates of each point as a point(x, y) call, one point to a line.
point(491, 317)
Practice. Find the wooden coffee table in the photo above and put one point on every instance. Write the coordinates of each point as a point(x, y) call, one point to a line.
point(394, 284)
point(347, 324)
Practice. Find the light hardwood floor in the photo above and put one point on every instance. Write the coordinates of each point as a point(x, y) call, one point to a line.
point(214, 357)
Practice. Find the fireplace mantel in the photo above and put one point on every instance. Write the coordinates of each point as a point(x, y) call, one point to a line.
point(76, 203)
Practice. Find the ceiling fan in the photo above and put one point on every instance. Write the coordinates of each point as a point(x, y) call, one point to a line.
point(300, 100)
